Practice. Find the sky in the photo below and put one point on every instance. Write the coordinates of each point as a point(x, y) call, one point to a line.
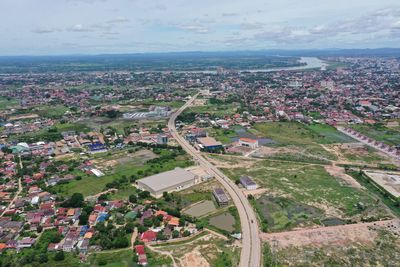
point(58, 27)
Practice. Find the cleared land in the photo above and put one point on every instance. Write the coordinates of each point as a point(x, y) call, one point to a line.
point(300, 137)
point(207, 249)
point(390, 181)
point(390, 136)
point(301, 184)
point(137, 166)
point(367, 244)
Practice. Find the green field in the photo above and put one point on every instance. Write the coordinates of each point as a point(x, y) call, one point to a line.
point(219, 110)
point(124, 258)
point(90, 184)
point(222, 135)
point(312, 185)
point(299, 136)
point(390, 136)
point(369, 156)
point(294, 133)
point(51, 111)
point(6, 103)
point(329, 134)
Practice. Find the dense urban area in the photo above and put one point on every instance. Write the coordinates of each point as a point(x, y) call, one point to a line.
point(200, 162)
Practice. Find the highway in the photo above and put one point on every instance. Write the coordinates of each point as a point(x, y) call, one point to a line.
point(251, 243)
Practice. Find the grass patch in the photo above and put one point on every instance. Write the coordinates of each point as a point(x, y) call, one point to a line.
point(278, 213)
point(112, 258)
point(390, 136)
point(91, 185)
point(295, 134)
point(8, 102)
point(329, 134)
point(312, 185)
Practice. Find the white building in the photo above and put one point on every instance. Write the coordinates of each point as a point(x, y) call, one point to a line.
point(248, 183)
point(247, 142)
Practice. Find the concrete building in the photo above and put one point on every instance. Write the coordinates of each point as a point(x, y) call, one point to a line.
point(247, 142)
point(220, 196)
point(162, 139)
point(170, 181)
point(209, 143)
point(248, 183)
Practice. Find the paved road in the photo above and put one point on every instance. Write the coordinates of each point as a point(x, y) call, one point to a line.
point(251, 251)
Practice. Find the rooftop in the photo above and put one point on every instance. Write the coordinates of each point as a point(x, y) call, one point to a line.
point(167, 179)
point(209, 141)
point(247, 181)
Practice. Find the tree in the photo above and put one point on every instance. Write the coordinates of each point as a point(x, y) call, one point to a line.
point(112, 114)
point(129, 226)
point(186, 233)
point(133, 198)
point(83, 218)
point(103, 197)
point(166, 196)
point(76, 201)
point(43, 258)
point(59, 256)
point(161, 236)
point(175, 234)
point(121, 242)
point(182, 222)
point(148, 222)
point(144, 194)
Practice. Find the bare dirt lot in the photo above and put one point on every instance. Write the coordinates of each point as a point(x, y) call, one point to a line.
point(339, 172)
point(358, 153)
point(334, 235)
point(193, 258)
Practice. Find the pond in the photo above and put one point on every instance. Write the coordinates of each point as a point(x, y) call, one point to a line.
point(224, 221)
point(201, 209)
point(332, 222)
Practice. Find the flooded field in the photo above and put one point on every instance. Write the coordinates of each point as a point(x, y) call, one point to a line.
point(280, 213)
point(224, 221)
point(201, 209)
point(242, 133)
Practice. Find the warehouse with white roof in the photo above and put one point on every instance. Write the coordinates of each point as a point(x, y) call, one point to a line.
point(170, 181)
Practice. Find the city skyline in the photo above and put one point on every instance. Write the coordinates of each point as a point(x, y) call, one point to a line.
point(128, 26)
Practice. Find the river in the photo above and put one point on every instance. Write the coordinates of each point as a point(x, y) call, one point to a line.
point(311, 63)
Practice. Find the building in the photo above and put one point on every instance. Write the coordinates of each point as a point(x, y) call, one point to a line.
point(97, 172)
point(162, 139)
point(170, 181)
point(220, 196)
point(141, 253)
point(148, 236)
point(248, 183)
point(247, 142)
point(209, 143)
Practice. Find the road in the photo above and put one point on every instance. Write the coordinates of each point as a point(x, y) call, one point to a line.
point(251, 252)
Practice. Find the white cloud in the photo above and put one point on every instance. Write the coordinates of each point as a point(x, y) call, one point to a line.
point(78, 28)
point(194, 28)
